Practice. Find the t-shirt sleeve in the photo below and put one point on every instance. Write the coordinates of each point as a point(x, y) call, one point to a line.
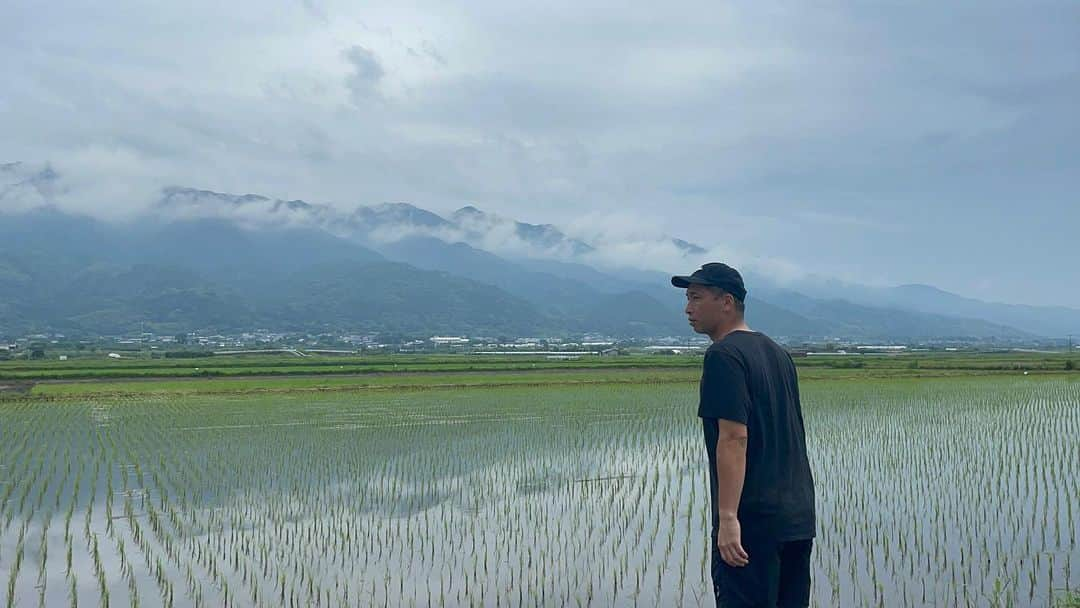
point(724, 393)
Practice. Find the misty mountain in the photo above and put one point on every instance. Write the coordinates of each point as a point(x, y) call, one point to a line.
point(580, 292)
point(395, 216)
point(1051, 321)
point(252, 260)
point(23, 186)
point(596, 279)
point(1045, 320)
point(478, 225)
point(848, 319)
point(76, 274)
point(347, 295)
point(222, 251)
point(388, 222)
point(581, 305)
point(102, 297)
point(398, 298)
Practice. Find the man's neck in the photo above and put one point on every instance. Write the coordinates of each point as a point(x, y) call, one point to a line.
point(724, 331)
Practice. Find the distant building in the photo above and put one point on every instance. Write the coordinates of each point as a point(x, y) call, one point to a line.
point(449, 340)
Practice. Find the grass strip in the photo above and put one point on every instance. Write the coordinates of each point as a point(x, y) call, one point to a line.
point(432, 380)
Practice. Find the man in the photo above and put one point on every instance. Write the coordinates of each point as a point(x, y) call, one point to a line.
point(762, 492)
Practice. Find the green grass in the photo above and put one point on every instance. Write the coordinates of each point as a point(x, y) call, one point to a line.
point(1070, 599)
point(265, 365)
point(100, 366)
point(272, 373)
point(315, 383)
point(383, 382)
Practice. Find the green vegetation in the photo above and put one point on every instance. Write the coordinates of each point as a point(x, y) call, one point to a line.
point(384, 382)
point(1069, 599)
point(277, 373)
point(271, 365)
point(525, 495)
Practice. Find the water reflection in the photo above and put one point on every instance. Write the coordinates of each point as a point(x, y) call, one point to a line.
point(520, 497)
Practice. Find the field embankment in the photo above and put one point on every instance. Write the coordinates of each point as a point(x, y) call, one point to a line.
point(273, 374)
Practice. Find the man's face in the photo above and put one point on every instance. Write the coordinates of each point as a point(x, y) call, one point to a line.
point(706, 310)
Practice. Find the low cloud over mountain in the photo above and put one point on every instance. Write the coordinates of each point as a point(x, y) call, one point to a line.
point(232, 256)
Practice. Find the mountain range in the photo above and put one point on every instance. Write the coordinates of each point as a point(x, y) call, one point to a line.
point(199, 259)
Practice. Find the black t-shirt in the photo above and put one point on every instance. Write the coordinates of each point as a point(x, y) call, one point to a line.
point(750, 379)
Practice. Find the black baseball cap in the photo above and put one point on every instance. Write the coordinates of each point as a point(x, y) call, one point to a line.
point(714, 274)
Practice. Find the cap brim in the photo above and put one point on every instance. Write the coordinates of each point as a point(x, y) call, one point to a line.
point(682, 282)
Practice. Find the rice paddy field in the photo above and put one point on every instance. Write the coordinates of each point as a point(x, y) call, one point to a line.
point(931, 492)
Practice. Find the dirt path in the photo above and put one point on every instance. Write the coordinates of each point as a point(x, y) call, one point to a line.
point(15, 388)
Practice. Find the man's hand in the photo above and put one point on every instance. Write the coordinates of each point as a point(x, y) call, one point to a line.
point(729, 542)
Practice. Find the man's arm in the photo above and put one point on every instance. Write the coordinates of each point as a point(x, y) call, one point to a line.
point(730, 474)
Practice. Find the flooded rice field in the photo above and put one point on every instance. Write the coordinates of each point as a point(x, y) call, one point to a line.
point(930, 493)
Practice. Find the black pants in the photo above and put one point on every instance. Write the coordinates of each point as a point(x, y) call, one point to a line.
point(778, 575)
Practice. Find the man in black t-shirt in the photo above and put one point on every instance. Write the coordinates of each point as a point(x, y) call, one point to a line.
point(761, 488)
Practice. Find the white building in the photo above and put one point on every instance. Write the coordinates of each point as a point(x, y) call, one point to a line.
point(449, 340)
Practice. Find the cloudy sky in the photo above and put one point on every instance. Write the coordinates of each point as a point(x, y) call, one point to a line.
point(883, 142)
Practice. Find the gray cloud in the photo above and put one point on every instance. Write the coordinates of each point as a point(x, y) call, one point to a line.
point(366, 73)
point(881, 142)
